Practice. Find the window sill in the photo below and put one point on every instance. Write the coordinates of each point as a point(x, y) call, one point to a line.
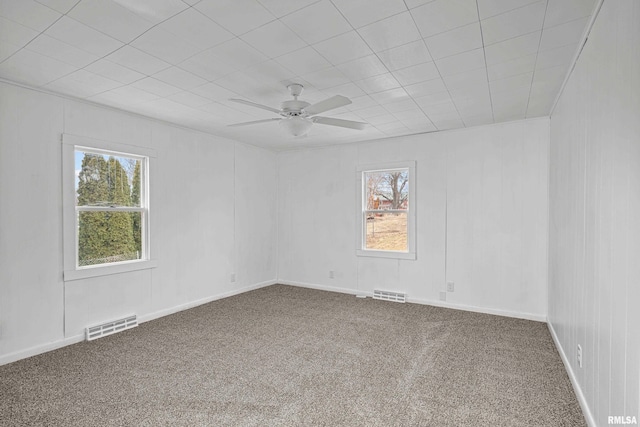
point(105, 270)
point(386, 254)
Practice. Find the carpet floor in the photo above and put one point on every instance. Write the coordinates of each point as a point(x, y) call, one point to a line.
point(287, 356)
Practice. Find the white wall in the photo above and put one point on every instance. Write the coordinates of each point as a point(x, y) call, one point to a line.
point(594, 247)
point(481, 218)
point(213, 205)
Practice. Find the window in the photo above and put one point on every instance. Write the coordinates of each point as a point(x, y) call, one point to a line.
point(106, 208)
point(387, 214)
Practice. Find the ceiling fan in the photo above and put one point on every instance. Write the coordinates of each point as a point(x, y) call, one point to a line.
point(298, 116)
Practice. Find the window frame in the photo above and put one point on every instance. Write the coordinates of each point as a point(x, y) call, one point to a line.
point(361, 250)
point(71, 144)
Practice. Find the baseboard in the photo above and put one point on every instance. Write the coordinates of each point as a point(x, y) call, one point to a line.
point(351, 291)
point(171, 310)
point(588, 416)
point(476, 309)
point(39, 349)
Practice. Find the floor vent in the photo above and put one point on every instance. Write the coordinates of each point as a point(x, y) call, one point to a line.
point(112, 327)
point(389, 296)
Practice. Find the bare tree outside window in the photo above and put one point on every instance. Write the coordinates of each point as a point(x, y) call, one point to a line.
point(387, 201)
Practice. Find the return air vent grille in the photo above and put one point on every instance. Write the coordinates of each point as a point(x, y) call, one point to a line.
point(112, 327)
point(389, 296)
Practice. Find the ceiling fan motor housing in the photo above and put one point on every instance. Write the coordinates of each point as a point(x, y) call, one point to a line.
point(293, 107)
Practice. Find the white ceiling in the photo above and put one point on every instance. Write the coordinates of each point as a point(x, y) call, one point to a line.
point(409, 66)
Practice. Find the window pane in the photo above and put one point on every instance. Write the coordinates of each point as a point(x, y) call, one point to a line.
point(103, 180)
point(106, 237)
point(386, 231)
point(387, 189)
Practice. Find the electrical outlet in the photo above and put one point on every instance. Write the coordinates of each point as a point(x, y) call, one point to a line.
point(450, 286)
point(232, 277)
point(579, 356)
point(443, 296)
point(332, 274)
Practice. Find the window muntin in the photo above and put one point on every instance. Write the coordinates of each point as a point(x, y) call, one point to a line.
point(386, 204)
point(111, 207)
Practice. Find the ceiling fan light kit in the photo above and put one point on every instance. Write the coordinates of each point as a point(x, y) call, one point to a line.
point(298, 116)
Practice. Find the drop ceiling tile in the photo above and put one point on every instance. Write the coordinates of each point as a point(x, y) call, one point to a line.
point(391, 95)
point(477, 120)
point(238, 17)
point(417, 73)
point(444, 15)
point(28, 13)
point(411, 116)
point(164, 45)
point(343, 48)
point(83, 37)
point(549, 78)
point(110, 18)
point(113, 71)
point(511, 84)
point(208, 65)
point(303, 61)
point(33, 69)
point(213, 92)
point(363, 12)
point(82, 84)
point(466, 80)
point(270, 72)
point(137, 60)
point(189, 99)
point(15, 34)
point(413, 53)
point(274, 39)
point(179, 78)
point(427, 102)
point(362, 68)
point(324, 79)
point(489, 8)
point(515, 23)
point(372, 111)
point(124, 96)
point(7, 49)
point(155, 86)
point(446, 121)
point(415, 3)
point(562, 35)
point(392, 128)
point(558, 56)
point(360, 103)
point(382, 119)
point(513, 48)
point(400, 105)
point(62, 6)
point(428, 87)
point(197, 29)
point(466, 61)
point(446, 107)
point(238, 54)
point(317, 22)
point(390, 32)
point(378, 83)
point(155, 11)
point(455, 41)
point(280, 8)
point(350, 90)
point(513, 67)
point(61, 51)
point(560, 12)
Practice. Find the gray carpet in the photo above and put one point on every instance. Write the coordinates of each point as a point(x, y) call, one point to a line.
point(286, 356)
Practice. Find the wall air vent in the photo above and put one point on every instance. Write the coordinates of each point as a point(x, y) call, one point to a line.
point(112, 327)
point(389, 296)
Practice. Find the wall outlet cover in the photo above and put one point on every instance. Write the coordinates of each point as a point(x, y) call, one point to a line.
point(450, 286)
point(443, 296)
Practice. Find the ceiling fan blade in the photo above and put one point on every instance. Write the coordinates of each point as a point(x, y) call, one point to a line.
point(328, 104)
point(255, 122)
point(253, 104)
point(339, 122)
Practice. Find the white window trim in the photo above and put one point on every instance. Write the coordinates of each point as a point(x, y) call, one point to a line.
point(410, 254)
point(69, 231)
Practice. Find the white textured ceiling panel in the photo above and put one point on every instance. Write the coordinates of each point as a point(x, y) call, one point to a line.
point(408, 66)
